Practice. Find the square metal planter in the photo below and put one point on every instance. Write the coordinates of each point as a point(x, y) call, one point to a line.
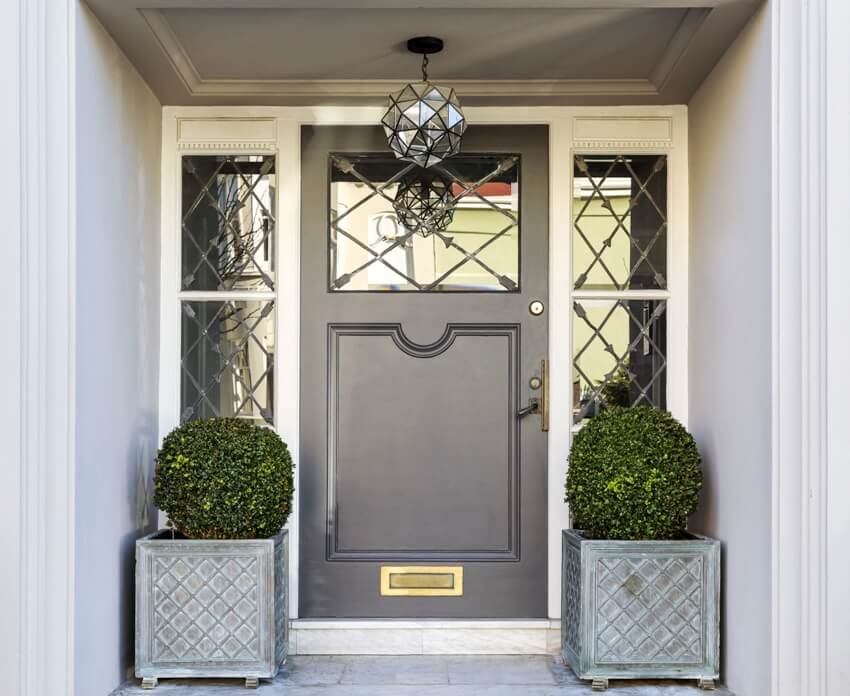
point(211, 608)
point(641, 609)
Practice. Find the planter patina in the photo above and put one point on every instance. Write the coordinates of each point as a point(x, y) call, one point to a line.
point(641, 609)
point(209, 608)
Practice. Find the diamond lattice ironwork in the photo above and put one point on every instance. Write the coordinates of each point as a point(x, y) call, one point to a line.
point(227, 360)
point(619, 357)
point(649, 609)
point(424, 123)
point(465, 249)
point(620, 222)
point(228, 224)
point(206, 608)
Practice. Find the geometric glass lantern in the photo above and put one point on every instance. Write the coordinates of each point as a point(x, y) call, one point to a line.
point(424, 204)
point(424, 123)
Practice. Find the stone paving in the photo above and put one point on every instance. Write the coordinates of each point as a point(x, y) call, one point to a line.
point(427, 675)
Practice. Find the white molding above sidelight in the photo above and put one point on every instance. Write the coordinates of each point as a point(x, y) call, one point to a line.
point(198, 86)
point(218, 146)
point(621, 145)
point(234, 134)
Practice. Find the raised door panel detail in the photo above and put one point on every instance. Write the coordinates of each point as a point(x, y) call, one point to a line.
point(452, 491)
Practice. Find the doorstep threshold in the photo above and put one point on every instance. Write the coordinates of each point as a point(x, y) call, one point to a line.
point(424, 636)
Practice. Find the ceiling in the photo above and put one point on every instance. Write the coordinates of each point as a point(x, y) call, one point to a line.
point(353, 51)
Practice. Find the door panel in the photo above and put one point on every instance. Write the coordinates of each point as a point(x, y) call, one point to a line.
point(412, 451)
point(392, 421)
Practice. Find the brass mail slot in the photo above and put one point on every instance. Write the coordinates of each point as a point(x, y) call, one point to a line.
point(422, 581)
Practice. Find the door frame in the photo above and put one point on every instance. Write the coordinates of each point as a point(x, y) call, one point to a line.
point(575, 129)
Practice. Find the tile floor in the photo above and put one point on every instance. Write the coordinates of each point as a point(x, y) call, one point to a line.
point(425, 675)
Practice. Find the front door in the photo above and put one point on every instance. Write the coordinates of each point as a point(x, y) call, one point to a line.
point(422, 480)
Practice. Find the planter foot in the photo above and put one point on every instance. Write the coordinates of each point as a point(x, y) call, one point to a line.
point(149, 682)
point(706, 684)
point(599, 684)
point(251, 682)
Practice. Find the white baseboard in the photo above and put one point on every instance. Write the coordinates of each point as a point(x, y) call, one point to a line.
point(424, 637)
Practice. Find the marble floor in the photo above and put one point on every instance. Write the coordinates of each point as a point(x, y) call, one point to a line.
point(420, 675)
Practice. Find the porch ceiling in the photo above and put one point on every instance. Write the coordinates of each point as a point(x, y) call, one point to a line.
point(353, 51)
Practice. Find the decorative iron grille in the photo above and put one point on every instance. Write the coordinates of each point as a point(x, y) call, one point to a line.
point(227, 360)
point(228, 222)
point(620, 222)
point(620, 289)
point(370, 249)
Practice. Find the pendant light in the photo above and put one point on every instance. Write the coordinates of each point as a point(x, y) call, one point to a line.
point(424, 122)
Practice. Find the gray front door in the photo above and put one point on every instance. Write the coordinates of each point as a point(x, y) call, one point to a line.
point(418, 351)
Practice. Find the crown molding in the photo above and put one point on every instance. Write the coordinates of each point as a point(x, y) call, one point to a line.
point(380, 88)
point(198, 86)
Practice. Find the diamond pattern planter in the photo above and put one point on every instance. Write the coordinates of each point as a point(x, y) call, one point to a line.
point(210, 608)
point(641, 609)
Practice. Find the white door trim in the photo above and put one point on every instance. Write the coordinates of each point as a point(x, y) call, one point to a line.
point(588, 129)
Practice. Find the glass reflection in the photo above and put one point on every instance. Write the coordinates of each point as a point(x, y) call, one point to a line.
point(619, 356)
point(228, 225)
point(227, 359)
point(620, 222)
point(370, 250)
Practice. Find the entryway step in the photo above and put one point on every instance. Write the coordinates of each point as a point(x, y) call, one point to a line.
point(424, 637)
point(434, 675)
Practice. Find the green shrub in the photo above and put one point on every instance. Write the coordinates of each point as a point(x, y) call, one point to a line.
point(634, 474)
point(224, 478)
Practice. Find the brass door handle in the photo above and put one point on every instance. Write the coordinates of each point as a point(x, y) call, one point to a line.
point(544, 398)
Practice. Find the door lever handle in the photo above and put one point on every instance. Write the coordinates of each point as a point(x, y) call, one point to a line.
point(533, 407)
point(539, 405)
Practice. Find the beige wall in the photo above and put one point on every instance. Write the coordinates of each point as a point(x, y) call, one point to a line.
point(730, 291)
point(118, 138)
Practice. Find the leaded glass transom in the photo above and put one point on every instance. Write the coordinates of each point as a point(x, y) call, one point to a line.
point(371, 250)
point(620, 222)
point(619, 354)
point(228, 224)
point(227, 359)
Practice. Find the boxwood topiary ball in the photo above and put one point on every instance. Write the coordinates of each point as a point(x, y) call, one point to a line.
point(224, 478)
point(634, 474)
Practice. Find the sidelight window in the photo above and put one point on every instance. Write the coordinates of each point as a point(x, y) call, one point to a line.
point(620, 291)
point(227, 296)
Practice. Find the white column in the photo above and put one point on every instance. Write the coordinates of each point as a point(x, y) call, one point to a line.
point(38, 278)
point(811, 328)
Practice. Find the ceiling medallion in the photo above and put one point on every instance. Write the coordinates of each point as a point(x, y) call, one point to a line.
point(424, 122)
point(424, 204)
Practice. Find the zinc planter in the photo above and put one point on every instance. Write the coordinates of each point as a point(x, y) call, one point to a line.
point(209, 608)
point(641, 609)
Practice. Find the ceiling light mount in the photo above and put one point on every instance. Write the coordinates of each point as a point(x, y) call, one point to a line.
point(425, 45)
